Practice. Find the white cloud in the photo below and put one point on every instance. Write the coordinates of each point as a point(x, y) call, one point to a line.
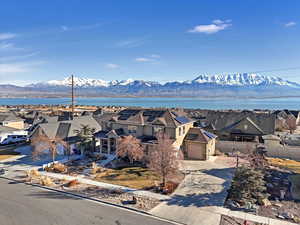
point(12, 68)
point(290, 24)
point(112, 66)
point(143, 59)
point(17, 57)
point(155, 56)
point(6, 36)
point(19, 67)
point(81, 27)
point(4, 46)
point(221, 21)
point(216, 26)
point(131, 43)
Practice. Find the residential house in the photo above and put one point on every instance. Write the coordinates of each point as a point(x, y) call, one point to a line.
point(283, 115)
point(145, 124)
point(239, 126)
point(9, 119)
point(66, 130)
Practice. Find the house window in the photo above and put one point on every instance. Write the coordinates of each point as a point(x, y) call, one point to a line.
point(183, 129)
point(179, 131)
point(132, 129)
point(104, 143)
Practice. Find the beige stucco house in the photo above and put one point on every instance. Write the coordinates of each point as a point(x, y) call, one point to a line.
point(145, 124)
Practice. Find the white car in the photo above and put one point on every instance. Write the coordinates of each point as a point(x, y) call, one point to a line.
point(11, 139)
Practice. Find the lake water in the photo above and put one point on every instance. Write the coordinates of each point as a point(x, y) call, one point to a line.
point(204, 103)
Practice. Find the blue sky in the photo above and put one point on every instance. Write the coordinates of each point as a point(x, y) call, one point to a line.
point(148, 39)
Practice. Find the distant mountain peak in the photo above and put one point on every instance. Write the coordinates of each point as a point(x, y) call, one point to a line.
point(236, 79)
point(238, 84)
point(242, 79)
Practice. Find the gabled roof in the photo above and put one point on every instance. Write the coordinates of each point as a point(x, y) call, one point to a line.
point(247, 119)
point(106, 133)
point(104, 117)
point(67, 129)
point(63, 130)
point(9, 116)
point(4, 129)
point(223, 119)
point(198, 134)
point(43, 118)
point(162, 117)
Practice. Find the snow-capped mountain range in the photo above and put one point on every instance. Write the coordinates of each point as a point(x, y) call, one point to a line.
point(87, 82)
point(244, 79)
point(224, 85)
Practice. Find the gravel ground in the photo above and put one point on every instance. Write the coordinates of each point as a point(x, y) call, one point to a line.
point(112, 196)
point(226, 220)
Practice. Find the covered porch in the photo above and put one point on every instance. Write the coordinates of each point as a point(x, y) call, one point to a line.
point(106, 141)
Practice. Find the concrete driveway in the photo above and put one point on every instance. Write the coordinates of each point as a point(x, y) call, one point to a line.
point(24, 161)
point(198, 197)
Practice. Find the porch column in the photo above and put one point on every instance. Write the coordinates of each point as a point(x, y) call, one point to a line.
point(108, 145)
point(100, 145)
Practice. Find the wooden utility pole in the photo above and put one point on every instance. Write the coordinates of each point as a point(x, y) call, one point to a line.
point(72, 84)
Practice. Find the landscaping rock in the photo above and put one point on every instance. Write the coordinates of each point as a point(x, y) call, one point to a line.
point(265, 202)
point(278, 205)
point(286, 215)
point(296, 219)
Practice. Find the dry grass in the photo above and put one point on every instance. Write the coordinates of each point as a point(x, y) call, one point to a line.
point(286, 164)
point(6, 154)
point(72, 183)
point(46, 181)
point(133, 177)
point(57, 168)
point(291, 165)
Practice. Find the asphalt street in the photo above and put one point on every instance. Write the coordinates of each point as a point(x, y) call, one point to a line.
point(22, 204)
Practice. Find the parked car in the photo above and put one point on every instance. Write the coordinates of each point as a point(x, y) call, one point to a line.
point(12, 139)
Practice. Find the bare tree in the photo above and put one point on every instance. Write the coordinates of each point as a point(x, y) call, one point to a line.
point(291, 124)
point(164, 158)
point(130, 147)
point(43, 145)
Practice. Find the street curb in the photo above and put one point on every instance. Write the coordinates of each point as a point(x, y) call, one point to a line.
point(144, 213)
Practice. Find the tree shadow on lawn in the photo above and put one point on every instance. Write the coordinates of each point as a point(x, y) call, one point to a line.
point(208, 198)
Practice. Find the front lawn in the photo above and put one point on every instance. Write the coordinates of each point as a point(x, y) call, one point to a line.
point(286, 164)
point(6, 154)
point(293, 166)
point(133, 177)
